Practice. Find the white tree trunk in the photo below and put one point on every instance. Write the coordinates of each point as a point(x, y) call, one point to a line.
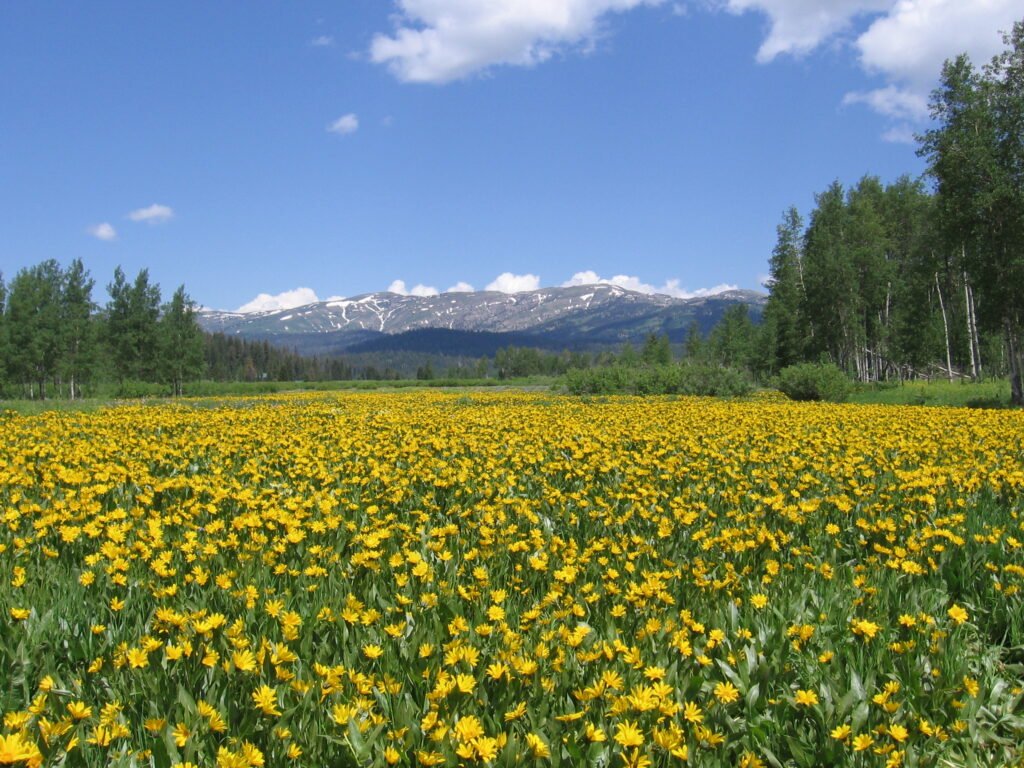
point(945, 327)
point(972, 316)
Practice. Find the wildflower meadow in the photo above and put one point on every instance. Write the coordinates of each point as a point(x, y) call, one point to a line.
point(506, 578)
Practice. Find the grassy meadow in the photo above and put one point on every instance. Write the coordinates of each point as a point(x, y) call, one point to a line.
point(506, 578)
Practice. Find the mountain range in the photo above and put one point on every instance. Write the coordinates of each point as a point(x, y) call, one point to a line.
point(582, 317)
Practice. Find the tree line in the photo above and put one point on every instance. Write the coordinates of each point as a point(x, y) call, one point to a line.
point(895, 281)
point(56, 340)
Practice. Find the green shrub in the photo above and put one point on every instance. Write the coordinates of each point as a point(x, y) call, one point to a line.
point(677, 379)
point(815, 381)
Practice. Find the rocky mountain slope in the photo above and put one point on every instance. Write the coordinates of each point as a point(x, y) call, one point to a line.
point(576, 317)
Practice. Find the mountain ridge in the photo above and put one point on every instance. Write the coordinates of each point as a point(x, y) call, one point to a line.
point(575, 316)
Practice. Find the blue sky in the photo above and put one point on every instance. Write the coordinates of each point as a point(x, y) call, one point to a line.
point(338, 147)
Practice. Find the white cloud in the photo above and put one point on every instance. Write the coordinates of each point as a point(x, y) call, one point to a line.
point(154, 214)
point(437, 41)
point(899, 134)
point(103, 231)
point(909, 44)
point(345, 124)
point(506, 282)
point(323, 41)
point(800, 26)
point(297, 297)
point(461, 287)
point(631, 283)
point(891, 101)
point(905, 42)
point(398, 286)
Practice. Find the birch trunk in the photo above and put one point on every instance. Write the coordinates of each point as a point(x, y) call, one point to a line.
point(945, 328)
point(972, 315)
point(970, 335)
point(1014, 352)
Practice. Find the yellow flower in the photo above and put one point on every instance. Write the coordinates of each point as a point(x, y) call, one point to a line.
point(629, 734)
point(467, 729)
point(516, 712)
point(15, 749)
point(20, 614)
point(898, 732)
point(252, 754)
point(372, 652)
point(79, 710)
point(957, 614)
point(537, 745)
point(862, 742)
point(692, 713)
point(866, 629)
point(244, 660)
point(265, 699)
point(595, 734)
point(971, 686)
point(806, 698)
point(726, 693)
point(180, 734)
point(841, 732)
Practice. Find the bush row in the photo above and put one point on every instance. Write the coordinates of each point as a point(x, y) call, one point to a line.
point(673, 379)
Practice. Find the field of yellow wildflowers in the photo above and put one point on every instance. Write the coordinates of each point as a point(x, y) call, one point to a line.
point(511, 579)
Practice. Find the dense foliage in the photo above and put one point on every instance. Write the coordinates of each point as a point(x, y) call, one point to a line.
point(54, 339)
point(509, 579)
point(665, 379)
point(890, 282)
point(815, 381)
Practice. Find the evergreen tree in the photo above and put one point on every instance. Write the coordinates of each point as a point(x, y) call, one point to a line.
point(181, 342)
point(145, 314)
point(732, 342)
point(916, 335)
point(131, 330)
point(117, 327)
point(77, 328)
point(628, 355)
point(34, 326)
point(693, 348)
point(831, 300)
point(784, 327)
point(657, 350)
point(867, 248)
